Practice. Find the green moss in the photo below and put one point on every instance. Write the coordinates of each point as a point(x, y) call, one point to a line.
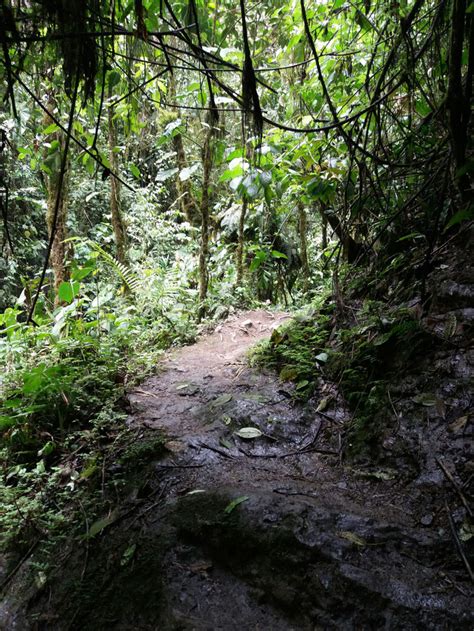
point(143, 451)
point(293, 350)
point(360, 356)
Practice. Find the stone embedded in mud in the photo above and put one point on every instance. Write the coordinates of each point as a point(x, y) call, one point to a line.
point(427, 519)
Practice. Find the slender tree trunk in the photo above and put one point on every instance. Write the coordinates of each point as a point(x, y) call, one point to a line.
point(459, 95)
point(118, 226)
point(241, 243)
point(351, 249)
point(303, 229)
point(59, 249)
point(187, 203)
point(456, 105)
point(324, 232)
point(205, 216)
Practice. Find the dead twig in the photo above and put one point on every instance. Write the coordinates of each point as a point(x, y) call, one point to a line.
point(455, 485)
point(179, 466)
point(457, 541)
point(216, 450)
point(146, 393)
point(329, 418)
point(324, 452)
point(290, 492)
point(152, 506)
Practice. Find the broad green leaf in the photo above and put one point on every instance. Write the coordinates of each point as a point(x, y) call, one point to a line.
point(278, 255)
point(462, 215)
point(81, 273)
point(101, 524)
point(50, 129)
point(134, 170)
point(353, 538)
point(128, 555)
point(427, 399)
point(301, 385)
point(68, 290)
point(222, 400)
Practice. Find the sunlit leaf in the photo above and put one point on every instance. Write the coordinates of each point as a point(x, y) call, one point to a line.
point(232, 505)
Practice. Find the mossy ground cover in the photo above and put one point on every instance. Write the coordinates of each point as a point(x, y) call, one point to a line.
point(359, 351)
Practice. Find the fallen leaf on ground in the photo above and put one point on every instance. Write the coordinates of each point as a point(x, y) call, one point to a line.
point(238, 500)
point(249, 432)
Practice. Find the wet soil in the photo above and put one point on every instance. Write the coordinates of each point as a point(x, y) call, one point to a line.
point(272, 531)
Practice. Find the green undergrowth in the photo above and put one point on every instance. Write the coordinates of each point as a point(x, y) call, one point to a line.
point(360, 351)
point(297, 350)
point(63, 436)
point(62, 416)
point(81, 493)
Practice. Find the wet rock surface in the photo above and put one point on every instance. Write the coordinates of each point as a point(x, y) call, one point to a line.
point(267, 529)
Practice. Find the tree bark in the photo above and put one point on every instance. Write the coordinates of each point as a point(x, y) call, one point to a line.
point(187, 203)
point(460, 92)
point(58, 249)
point(207, 163)
point(302, 229)
point(118, 226)
point(324, 232)
point(458, 109)
point(350, 248)
point(241, 243)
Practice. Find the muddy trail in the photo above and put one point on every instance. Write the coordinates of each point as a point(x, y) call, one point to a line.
point(250, 519)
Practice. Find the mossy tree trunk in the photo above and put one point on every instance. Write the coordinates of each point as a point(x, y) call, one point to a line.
point(207, 163)
point(303, 229)
point(187, 202)
point(118, 225)
point(52, 160)
point(241, 243)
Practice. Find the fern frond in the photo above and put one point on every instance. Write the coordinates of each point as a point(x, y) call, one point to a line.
point(130, 279)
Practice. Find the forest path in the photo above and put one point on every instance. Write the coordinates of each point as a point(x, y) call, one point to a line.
point(273, 531)
point(223, 532)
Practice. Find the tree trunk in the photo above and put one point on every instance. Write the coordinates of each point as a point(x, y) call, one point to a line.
point(58, 249)
point(118, 225)
point(350, 248)
point(324, 232)
point(205, 213)
point(455, 102)
point(187, 203)
point(458, 98)
point(302, 229)
point(241, 243)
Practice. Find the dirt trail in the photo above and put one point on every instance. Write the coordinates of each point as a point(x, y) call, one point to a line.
point(311, 542)
point(272, 532)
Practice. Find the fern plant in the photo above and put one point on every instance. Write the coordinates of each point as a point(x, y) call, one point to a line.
point(123, 271)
